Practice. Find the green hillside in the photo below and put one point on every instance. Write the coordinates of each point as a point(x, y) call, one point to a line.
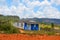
point(6, 24)
point(13, 18)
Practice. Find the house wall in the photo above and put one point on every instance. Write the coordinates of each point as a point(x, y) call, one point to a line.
point(32, 27)
point(39, 26)
point(26, 27)
point(18, 25)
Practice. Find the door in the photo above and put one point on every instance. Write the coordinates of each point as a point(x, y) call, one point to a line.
point(34, 27)
point(37, 27)
point(25, 26)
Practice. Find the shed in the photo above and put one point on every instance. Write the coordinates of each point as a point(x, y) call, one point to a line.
point(27, 25)
point(31, 25)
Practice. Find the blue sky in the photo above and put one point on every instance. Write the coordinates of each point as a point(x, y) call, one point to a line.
point(31, 8)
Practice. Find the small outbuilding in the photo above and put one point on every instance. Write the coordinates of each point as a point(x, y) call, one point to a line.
point(31, 25)
point(27, 25)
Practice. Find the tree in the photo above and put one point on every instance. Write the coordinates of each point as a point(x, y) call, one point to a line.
point(7, 27)
point(52, 25)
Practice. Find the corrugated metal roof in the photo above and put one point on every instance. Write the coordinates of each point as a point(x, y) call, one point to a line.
point(28, 21)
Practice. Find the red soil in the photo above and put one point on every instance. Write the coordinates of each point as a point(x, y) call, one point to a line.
point(27, 37)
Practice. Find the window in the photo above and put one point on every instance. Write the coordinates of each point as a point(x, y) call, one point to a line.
point(18, 24)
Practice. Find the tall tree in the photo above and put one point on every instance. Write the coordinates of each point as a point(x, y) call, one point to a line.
point(52, 25)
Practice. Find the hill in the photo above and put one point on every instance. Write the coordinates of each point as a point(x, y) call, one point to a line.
point(45, 20)
point(13, 18)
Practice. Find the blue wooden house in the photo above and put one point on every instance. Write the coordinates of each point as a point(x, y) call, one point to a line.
point(27, 25)
point(31, 25)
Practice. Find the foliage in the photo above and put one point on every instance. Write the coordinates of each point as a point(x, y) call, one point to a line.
point(13, 18)
point(52, 25)
point(6, 24)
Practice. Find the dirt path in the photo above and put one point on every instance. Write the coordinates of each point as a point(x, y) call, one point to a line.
point(27, 37)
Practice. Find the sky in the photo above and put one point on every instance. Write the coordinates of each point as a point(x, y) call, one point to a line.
point(31, 8)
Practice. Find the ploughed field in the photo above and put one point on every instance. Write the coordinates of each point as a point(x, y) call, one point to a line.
point(28, 37)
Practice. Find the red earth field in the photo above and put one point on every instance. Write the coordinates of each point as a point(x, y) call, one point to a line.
point(27, 37)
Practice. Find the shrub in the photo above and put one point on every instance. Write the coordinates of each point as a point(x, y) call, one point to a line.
point(7, 27)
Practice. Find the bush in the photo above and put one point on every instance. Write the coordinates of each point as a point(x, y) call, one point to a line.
point(15, 30)
point(51, 33)
point(52, 25)
point(7, 27)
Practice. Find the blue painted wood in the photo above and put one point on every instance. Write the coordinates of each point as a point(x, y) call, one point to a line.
point(37, 27)
point(25, 26)
point(34, 27)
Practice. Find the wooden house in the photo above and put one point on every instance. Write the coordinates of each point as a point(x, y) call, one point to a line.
point(19, 24)
point(27, 25)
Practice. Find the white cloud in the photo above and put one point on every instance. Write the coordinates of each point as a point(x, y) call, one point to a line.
point(51, 12)
point(27, 12)
point(48, 12)
point(57, 2)
point(36, 3)
point(6, 11)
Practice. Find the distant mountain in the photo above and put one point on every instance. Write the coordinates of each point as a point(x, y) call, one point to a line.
point(45, 20)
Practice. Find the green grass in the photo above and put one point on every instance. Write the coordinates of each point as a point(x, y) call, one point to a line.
point(41, 32)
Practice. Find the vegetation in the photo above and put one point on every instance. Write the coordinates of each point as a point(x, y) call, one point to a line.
point(52, 25)
point(13, 18)
point(50, 29)
point(6, 24)
point(7, 27)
